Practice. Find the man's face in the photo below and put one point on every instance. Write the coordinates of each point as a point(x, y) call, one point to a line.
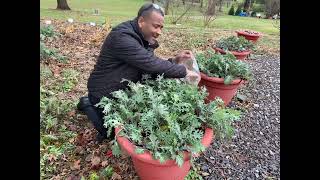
point(151, 26)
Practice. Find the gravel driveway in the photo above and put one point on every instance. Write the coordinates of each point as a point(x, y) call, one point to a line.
point(254, 151)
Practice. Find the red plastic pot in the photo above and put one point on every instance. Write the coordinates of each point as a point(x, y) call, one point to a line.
point(148, 168)
point(251, 37)
point(217, 88)
point(239, 55)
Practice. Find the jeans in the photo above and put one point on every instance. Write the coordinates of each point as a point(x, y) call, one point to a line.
point(95, 115)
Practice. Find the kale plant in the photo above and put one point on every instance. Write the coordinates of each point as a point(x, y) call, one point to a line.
point(165, 117)
point(223, 66)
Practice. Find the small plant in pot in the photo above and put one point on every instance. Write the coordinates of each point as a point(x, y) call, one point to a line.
point(221, 74)
point(238, 46)
point(249, 35)
point(163, 123)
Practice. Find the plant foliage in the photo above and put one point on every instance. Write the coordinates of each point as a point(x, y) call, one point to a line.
point(234, 43)
point(223, 66)
point(166, 117)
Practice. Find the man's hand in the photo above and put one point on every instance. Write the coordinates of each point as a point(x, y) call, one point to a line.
point(183, 56)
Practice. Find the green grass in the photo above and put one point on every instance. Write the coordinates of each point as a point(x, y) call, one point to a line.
point(231, 23)
point(122, 10)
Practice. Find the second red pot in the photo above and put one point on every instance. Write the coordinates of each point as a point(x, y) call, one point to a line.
point(239, 55)
point(217, 88)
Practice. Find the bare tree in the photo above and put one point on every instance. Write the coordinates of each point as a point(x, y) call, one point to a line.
point(211, 7)
point(63, 5)
point(272, 7)
point(174, 6)
point(247, 5)
point(166, 7)
point(208, 12)
point(220, 5)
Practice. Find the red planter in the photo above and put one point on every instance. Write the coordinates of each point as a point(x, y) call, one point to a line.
point(239, 55)
point(217, 88)
point(148, 168)
point(248, 36)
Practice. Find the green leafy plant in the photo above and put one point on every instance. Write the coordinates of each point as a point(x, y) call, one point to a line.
point(94, 176)
point(166, 117)
point(46, 53)
point(47, 31)
point(234, 43)
point(193, 175)
point(69, 79)
point(239, 9)
point(107, 172)
point(223, 66)
point(231, 11)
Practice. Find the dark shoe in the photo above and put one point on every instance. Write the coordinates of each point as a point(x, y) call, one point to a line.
point(100, 138)
point(83, 103)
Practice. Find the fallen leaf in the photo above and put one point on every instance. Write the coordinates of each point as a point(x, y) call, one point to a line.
point(52, 157)
point(109, 153)
point(115, 176)
point(88, 158)
point(76, 165)
point(72, 113)
point(95, 161)
point(104, 163)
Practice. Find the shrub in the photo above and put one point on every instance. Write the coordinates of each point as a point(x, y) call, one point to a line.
point(239, 9)
point(231, 11)
point(258, 7)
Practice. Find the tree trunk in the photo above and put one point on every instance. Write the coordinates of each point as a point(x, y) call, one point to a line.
point(152, 1)
point(166, 7)
point(211, 7)
point(220, 5)
point(247, 5)
point(201, 3)
point(63, 5)
point(183, 2)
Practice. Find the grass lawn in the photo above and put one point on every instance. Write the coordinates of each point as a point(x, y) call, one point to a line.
point(121, 10)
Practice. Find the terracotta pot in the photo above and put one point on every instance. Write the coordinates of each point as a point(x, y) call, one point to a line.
point(148, 168)
point(239, 55)
point(251, 37)
point(217, 88)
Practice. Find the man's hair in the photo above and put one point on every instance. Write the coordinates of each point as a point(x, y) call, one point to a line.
point(148, 8)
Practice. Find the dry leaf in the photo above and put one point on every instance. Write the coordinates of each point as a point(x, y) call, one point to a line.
point(116, 176)
point(76, 165)
point(95, 161)
point(104, 163)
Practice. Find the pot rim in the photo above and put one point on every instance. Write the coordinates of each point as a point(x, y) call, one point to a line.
point(236, 53)
point(219, 80)
point(247, 34)
point(129, 147)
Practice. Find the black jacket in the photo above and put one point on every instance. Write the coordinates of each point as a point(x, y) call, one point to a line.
point(125, 54)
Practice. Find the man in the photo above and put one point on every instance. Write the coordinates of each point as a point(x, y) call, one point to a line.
point(127, 53)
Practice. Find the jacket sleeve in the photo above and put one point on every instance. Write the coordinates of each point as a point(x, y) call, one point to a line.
point(132, 52)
